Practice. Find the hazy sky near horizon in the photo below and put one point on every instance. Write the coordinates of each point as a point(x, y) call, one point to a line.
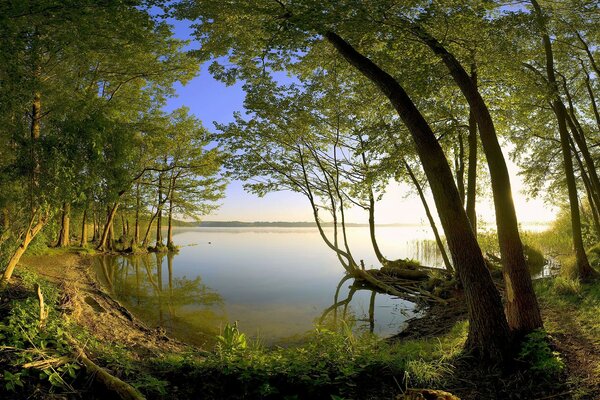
point(212, 101)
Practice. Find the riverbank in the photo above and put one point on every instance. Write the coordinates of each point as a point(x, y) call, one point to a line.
point(330, 363)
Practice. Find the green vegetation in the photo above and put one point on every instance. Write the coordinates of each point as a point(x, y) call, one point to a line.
point(342, 100)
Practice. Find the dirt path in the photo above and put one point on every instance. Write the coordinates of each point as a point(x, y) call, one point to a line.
point(86, 302)
point(579, 348)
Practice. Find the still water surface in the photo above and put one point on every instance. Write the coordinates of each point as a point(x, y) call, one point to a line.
point(276, 282)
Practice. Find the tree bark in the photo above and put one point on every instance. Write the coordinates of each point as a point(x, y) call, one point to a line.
point(459, 167)
point(102, 244)
point(472, 168)
point(32, 231)
point(522, 310)
point(63, 238)
point(436, 234)
point(489, 333)
point(584, 270)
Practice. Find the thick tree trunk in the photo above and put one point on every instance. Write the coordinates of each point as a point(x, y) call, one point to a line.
point(522, 310)
point(472, 169)
point(436, 234)
point(63, 237)
point(102, 244)
point(584, 270)
point(32, 231)
point(84, 240)
point(489, 333)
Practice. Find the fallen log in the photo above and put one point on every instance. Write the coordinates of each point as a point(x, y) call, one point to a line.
point(122, 389)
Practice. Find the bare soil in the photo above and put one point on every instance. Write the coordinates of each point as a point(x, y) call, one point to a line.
point(86, 302)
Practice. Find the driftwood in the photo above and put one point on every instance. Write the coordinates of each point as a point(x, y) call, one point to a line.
point(395, 289)
point(405, 273)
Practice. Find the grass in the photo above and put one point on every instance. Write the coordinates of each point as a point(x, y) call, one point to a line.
point(580, 301)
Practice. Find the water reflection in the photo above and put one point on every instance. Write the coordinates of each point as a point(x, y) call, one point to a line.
point(275, 282)
point(147, 285)
point(365, 321)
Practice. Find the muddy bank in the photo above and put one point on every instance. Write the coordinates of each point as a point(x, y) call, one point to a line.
point(87, 304)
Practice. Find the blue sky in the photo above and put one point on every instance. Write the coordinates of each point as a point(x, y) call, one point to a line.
point(212, 101)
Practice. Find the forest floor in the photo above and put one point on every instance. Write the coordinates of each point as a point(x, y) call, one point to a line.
point(571, 315)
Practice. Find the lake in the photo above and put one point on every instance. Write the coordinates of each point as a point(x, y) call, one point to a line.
point(276, 282)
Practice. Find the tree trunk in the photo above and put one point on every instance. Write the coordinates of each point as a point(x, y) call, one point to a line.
point(459, 167)
point(84, 239)
point(147, 234)
point(590, 91)
point(102, 245)
point(584, 271)
point(472, 171)
point(436, 234)
point(123, 227)
point(136, 230)
point(170, 243)
point(489, 333)
point(159, 238)
point(32, 231)
point(63, 238)
point(522, 310)
point(378, 253)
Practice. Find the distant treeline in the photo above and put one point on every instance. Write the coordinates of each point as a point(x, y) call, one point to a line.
point(279, 224)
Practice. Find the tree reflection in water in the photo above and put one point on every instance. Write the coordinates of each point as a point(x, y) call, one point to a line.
point(331, 318)
point(184, 307)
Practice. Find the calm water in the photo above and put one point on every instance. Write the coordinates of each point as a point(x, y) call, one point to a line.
point(276, 282)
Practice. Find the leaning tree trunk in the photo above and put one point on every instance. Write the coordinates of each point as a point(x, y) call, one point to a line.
point(102, 244)
point(63, 237)
point(459, 167)
point(30, 233)
point(472, 169)
point(584, 270)
point(489, 332)
point(436, 234)
point(522, 310)
point(593, 199)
